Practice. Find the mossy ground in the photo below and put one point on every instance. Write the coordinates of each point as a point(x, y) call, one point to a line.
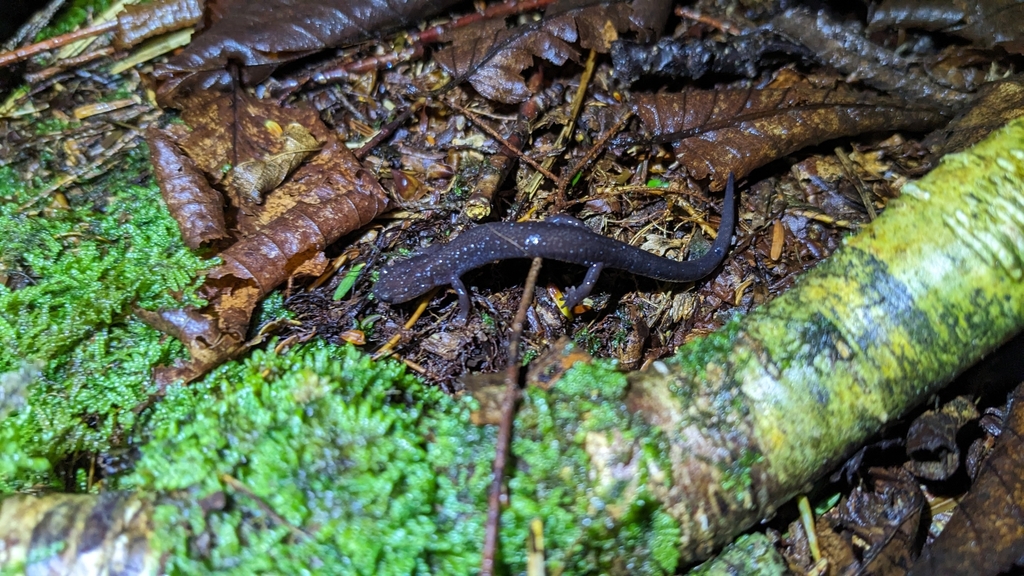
point(382, 473)
point(82, 270)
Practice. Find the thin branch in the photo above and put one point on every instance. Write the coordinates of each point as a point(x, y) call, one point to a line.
point(508, 412)
point(494, 134)
point(8, 58)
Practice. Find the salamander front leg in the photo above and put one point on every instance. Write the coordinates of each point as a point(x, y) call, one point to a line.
point(464, 303)
point(577, 294)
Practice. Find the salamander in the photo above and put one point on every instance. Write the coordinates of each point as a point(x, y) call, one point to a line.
point(560, 237)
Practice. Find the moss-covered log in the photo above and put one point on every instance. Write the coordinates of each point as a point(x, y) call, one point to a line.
point(323, 460)
point(756, 413)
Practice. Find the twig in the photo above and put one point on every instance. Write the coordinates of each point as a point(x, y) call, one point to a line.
point(388, 130)
point(62, 65)
point(507, 8)
point(563, 137)
point(504, 439)
point(389, 346)
point(238, 486)
point(478, 205)
point(494, 134)
point(37, 22)
point(580, 164)
point(8, 58)
point(691, 14)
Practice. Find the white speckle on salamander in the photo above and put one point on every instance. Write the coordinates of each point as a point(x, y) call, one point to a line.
point(532, 240)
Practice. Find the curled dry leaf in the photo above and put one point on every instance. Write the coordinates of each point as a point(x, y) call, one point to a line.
point(716, 132)
point(492, 57)
point(986, 533)
point(259, 36)
point(932, 439)
point(251, 179)
point(334, 196)
point(875, 529)
point(193, 203)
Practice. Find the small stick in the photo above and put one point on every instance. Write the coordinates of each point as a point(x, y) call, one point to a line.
point(388, 130)
point(8, 58)
point(388, 347)
point(507, 8)
point(494, 134)
point(508, 412)
point(237, 485)
point(580, 164)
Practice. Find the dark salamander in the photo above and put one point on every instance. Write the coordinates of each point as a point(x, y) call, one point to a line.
point(560, 237)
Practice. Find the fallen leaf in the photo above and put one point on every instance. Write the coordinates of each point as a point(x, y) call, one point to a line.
point(716, 132)
point(259, 36)
point(492, 56)
point(333, 196)
point(193, 203)
point(986, 533)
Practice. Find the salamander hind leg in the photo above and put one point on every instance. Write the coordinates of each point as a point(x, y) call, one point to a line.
point(465, 305)
point(577, 294)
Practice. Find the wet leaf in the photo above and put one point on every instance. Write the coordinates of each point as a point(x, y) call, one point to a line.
point(492, 56)
point(330, 196)
point(715, 132)
point(876, 529)
point(141, 21)
point(931, 440)
point(987, 23)
point(193, 203)
point(986, 533)
point(259, 36)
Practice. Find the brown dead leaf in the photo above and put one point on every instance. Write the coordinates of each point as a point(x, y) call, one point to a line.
point(876, 529)
point(231, 129)
point(492, 56)
point(931, 440)
point(261, 35)
point(193, 203)
point(986, 533)
point(716, 132)
point(995, 104)
point(333, 195)
point(141, 21)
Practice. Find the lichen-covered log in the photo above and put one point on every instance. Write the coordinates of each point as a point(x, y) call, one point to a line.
point(757, 412)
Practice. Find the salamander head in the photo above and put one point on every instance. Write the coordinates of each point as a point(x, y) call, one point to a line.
point(404, 280)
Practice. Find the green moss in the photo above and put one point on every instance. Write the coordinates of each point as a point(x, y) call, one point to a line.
point(86, 267)
point(374, 467)
point(73, 16)
point(590, 527)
